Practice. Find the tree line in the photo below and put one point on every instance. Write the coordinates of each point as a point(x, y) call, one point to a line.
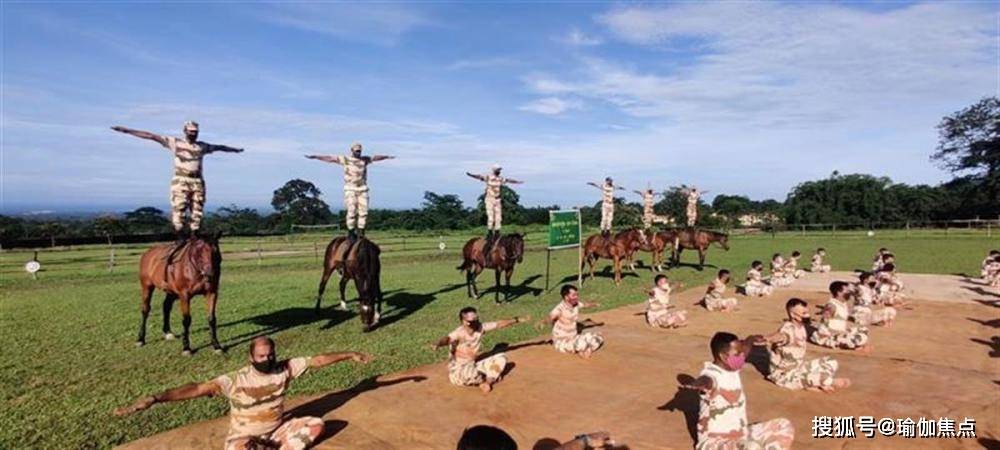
point(968, 146)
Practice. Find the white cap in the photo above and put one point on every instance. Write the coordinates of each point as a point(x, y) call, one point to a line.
point(495, 167)
point(355, 145)
point(190, 125)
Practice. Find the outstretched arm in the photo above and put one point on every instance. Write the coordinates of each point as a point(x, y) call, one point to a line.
point(185, 392)
point(326, 359)
point(382, 157)
point(443, 342)
point(478, 177)
point(594, 184)
point(325, 158)
point(514, 321)
point(703, 383)
point(640, 193)
point(621, 188)
point(225, 148)
point(512, 181)
point(162, 140)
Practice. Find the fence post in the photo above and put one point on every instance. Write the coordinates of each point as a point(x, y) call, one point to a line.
point(315, 251)
point(111, 257)
point(404, 243)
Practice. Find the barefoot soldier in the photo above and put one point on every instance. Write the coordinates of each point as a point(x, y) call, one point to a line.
point(818, 258)
point(722, 413)
point(714, 300)
point(355, 186)
point(789, 367)
point(566, 337)
point(866, 298)
point(465, 342)
point(493, 202)
point(607, 204)
point(756, 287)
point(658, 313)
point(256, 396)
point(835, 330)
point(187, 188)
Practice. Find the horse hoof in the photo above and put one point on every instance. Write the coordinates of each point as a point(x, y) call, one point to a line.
point(140, 343)
point(169, 336)
point(220, 351)
point(187, 353)
point(343, 306)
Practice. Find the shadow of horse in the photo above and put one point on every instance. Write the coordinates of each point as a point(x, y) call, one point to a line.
point(519, 290)
point(606, 272)
point(992, 323)
point(504, 347)
point(993, 344)
point(686, 401)
point(401, 304)
point(979, 290)
point(323, 405)
point(281, 320)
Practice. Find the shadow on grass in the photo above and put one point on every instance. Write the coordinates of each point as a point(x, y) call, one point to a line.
point(685, 401)
point(281, 320)
point(516, 290)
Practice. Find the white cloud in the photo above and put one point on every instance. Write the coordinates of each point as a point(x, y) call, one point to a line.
point(484, 63)
point(550, 106)
point(376, 23)
point(577, 38)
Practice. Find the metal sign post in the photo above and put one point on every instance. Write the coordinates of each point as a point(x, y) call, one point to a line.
point(565, 231)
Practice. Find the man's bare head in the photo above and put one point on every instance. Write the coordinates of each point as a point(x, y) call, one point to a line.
point(191, 130)
point(261, 349)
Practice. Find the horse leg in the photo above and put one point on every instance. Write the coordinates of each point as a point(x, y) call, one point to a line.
point(496, 285)
point(475, 274)
point(507, 275)
point(147, 295)
point(211, 299)
point(468, 282)
point(343, 291)
point(186, 321)
point(327, 271)
point(701, 258)
point(618, 270)
point(168, 304)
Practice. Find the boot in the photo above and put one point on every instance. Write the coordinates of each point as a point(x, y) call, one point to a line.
point(489, 242)
point(181, 238)
point(352, 235)
point(361, 233)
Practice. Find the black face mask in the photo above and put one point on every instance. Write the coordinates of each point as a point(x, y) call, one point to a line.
point(475, 325)
point(871, 283)
point(267, 366)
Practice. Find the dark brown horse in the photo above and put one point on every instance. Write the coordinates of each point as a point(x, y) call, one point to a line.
point(616, 249)
point(359, 262)
point(655, 242)
point(193, 269)
point(506, 252)
point(695, 239)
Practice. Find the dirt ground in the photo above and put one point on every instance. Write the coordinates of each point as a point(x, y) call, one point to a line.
point(939, 360)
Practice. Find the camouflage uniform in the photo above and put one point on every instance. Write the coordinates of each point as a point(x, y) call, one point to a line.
point(789, 367)
point(565, 336)
point(494, 206)
point(607, 206)
point(692, 207)
point(756, 287)
point(722, 424)
point(779, 276)
point(257, 406)
point(817, 264)
point(792, 268)
point(187, 188)
point(649, 217)
point(658, 313)
point(837, 331)
point(355, 189)
point(865, 313)
point(714, 300)
point(889, 287)
point(463, 369)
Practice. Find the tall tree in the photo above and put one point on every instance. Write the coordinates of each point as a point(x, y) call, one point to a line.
point(147, 219)
point(509, 200)
point(444, 212)
point(969, 146)
point(298, 202)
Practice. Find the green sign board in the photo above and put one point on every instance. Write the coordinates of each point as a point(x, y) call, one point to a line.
point(564, 229)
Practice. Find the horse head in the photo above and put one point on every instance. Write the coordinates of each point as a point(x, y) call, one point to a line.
point(205, 257)
point(514, 244)
point(367, 273)
point(723, 240)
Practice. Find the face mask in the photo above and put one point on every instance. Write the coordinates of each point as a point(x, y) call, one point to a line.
point(735, 362)
point(475, 324)
point(267, 366)
point(573, 302)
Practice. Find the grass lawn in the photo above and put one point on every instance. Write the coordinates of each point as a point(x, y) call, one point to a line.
point(69, 357)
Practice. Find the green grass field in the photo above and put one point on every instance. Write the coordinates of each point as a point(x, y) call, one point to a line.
point(68, 336)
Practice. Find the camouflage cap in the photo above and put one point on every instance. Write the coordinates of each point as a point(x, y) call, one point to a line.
point(355, 146)
point(190, 125)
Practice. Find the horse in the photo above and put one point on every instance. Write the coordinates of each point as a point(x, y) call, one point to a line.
point(694, 239)
point(507, 251)
point(359, 262)
point(655, 243)
point(615, 249)
point(193, 268)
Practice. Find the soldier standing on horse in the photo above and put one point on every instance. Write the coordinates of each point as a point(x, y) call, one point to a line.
point(648, 216)
point(187, 188)
point(607, 204)
point(355, 186)
point(493, 202)
point(693, 195)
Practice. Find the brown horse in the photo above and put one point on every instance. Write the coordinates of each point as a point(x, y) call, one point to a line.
point(193, 269)
point(694, 239)
point(359, 262)
point(615, 249)
point(506, 252)
point(655, 242)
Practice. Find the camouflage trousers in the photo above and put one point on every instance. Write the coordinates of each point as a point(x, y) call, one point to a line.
point(866, 315)
point(580, 343)
point(356, 203)
point(187, 193)
point(781, 279)
point(820, 268)
point(667, 319)
point(469, 373)
point(607, 216)
point(692, 215)
point(812, 373)
point(798, 273)
point(494, 213)
point(713, 303)
point(854, 337)
point(756, 288)
point(649, 219)
point(775, 434)
point(295, 434)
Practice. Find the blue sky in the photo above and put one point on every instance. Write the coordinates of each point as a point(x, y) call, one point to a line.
point(735, 97)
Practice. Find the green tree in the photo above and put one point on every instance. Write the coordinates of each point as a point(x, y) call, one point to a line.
point(443, 212)
point(234, 220)
point(298, 202)
point(969, 146)
point(109, 225)
point(147, 219)
point(509, 200)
